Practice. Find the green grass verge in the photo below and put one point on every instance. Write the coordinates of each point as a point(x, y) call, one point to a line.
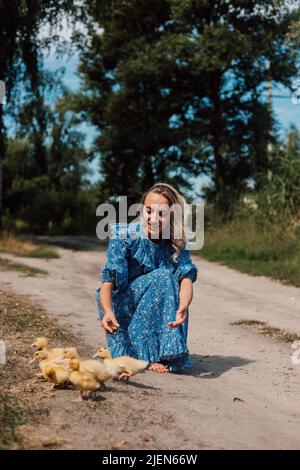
point(43, 251)
point(13, 413)
point(241, 246)
point(8, 265)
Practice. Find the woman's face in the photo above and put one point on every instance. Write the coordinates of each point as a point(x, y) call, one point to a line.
point(156, 213)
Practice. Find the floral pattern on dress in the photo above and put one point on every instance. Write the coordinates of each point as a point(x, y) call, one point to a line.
point(145, 296)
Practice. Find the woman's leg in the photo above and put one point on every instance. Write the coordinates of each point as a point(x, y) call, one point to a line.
point(156, 296)
point(143, 311)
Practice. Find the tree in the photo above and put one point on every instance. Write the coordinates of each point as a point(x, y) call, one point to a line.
point(176, 89)
point(279, 196)
point(20, 50)
point(46, 163)
point(236, 48)
point(126, 96)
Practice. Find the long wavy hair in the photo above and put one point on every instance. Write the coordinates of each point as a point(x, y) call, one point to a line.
point(179, 233)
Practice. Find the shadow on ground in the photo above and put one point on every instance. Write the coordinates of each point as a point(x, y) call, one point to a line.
point(211, 367)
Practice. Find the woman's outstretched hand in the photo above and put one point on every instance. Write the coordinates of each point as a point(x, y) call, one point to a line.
point(109, 321)
point(181, 315)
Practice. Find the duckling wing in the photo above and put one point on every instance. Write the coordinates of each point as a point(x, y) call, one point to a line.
point(83, 381)
point(62, 375)
point(43, 364)
point(57, 375)
point(59, 351)
point(56, 353)
point(95, 368)
point(135, 365)
point(112, 368)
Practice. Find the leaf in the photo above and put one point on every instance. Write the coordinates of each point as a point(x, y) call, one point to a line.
point(239, 399)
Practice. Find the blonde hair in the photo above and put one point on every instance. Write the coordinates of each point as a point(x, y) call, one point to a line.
point(178, 234)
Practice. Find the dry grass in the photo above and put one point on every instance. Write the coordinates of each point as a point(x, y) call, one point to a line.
point(22, 399)
point(267, 330)
point(10, 243)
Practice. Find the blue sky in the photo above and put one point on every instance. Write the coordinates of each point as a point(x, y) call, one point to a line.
point(285, 110)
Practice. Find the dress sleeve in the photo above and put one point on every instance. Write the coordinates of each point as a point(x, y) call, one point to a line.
point(116, 268)
point(186, 268)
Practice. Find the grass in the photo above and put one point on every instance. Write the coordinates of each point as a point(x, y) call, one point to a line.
point(267, 330)
point(240, 245)
point(22, 399)
point(18, 246)
point(8, 265)
point(13, 413)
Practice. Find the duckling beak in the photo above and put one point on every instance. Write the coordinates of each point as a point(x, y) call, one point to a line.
point(32, 360)
point(96, 354)
point(32, 345)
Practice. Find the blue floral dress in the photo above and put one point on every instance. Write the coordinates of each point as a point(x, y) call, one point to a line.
point(145, 296)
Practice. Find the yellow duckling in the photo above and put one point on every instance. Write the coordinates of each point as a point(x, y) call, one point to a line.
point(122, 366)
point(89, 366)
point(82, 381)
point(57, 375)
point(42, 358)
point(71, 353)
point(42, 344)
point(46, 365)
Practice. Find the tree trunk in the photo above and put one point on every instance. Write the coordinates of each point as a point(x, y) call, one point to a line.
point(148, 173)
point(219, 176)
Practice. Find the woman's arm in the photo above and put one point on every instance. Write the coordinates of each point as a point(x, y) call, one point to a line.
point(185, 292)
point(109, 318)
point(185, 298)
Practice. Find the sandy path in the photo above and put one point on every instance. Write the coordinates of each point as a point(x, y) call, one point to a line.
point(229, 361)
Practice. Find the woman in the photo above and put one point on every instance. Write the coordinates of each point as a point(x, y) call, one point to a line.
point(147, 285)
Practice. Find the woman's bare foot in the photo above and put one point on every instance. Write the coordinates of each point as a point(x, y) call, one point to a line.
point(158, 367)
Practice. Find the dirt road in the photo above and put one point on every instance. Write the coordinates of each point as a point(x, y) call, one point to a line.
point(229, 360)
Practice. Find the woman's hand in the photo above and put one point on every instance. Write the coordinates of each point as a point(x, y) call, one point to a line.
point(185, 298)
point(109, 321)
point(181, 315)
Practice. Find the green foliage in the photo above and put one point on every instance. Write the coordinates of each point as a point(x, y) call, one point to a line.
point(12, 414)
point(279, 197)
point(21, 68)
point(175, 89)
point(241, 245)
point(8, 265)
point(46, 165)
point(263, 236)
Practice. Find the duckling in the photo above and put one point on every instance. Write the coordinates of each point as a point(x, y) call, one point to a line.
point(122, 366)
point(42, 357)
point(93, 367)
point(84, 382)
point(56, 374)
point(71, 353)
point(42, 344)
point(89, 366)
